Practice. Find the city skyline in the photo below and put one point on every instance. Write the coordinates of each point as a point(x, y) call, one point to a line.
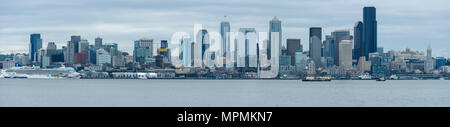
point(116, 30)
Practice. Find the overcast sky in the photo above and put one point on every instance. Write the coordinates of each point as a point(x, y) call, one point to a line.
point(401, 23)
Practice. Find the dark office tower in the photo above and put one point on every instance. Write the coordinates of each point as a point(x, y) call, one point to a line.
point(315, 45)
point(192, 53)
point(369, 31)
point(292, 46)
point(98, 42)
point(164, 44)
point(224, 30)
point(35, 45)
point(358, 46)
point(274, 26)
point(75, 40)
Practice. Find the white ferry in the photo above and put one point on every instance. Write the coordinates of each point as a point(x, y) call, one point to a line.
point(36, 72)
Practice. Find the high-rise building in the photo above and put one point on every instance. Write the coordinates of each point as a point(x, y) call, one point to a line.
point(103, 57)
point(203, 41)
point(301, 60)
point(83, 46)
point(315, 45)
point(429, 60)
point(75, 40)
point(98, 42)
point(338, 36)
point(80, 58)
point(345, 54)
point(143, 48)
point(51, 49)
point(35, 45)
point(358, 42)
point(329, 47)
point(246, 32)
point(293, 45)
point(70, 53)
point(185, 53)
point(274, 28)
point(369, 31)
point(224, 32)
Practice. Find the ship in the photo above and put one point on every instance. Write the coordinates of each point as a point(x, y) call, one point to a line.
point(36, 72)
point(319, 79)
point(381, 79)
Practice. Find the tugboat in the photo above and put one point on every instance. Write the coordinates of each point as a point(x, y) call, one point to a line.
point(316, 79)
point(382, 79)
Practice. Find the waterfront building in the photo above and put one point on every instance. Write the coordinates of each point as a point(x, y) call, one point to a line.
point(311, 68)
point(8, 63)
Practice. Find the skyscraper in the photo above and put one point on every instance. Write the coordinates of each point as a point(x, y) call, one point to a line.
point(75, 40)
point(98, 42)
point(338, 36)
point(203, 41)
point(103, 57)
point(358, 46)
point(293, 45)
point(143, 48)
point(429, 60)
point(369, 31)
point(315, 45)
point(345, 54)
point(245, 32)
point(329, 47)
point(35, 45)
point(274, 26)
point(224, 32)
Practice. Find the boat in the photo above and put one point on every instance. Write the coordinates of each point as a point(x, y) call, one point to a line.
point(381, 79)
point(394, 77)
point(365, 77)
point(36, 72)
point(316, 79)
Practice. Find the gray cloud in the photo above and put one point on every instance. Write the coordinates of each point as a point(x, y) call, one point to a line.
point(402, 23)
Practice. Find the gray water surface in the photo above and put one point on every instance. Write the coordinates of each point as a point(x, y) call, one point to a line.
point(222, 93)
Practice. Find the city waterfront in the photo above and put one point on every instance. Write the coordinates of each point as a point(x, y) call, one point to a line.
point(220, 93)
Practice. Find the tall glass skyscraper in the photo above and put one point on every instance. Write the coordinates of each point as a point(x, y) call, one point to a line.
point(315, 45)
point(358, 46)
point(35, 45)
point(224, 29)
point(274, 26)
point(369, 31)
